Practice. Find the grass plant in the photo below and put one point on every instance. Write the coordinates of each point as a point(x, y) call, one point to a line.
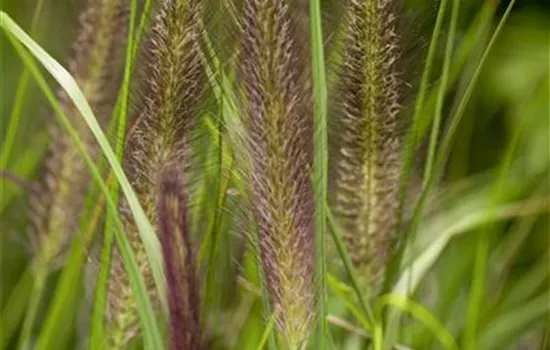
point(250, 174)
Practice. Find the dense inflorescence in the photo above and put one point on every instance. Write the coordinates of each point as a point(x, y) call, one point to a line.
point(170, 99)
point(367, 166)
point(278, 108)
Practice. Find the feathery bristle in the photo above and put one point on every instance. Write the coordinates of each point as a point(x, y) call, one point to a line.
point(170, 100)
point(97, 68)
point(278, 107)
point(367, 165)
point(173, 228)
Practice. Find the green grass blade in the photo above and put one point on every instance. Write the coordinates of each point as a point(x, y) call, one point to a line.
point(411, 141)
point(350, 269)
point(53, 330)
point(443, 230)
point(464, 53)
point(150, 327)
point(97, 333)
point(15, 308)
point(507, 327)
point(18, 101)
point(457, 116)
point(438, 115)
point(343, 291)
point(419, 313)
point(320, 166)
point(477, 292)
point(267, 332)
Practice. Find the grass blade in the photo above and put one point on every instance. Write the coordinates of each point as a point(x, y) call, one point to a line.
point(267, 332)
point(97, 333)
point(418, 312)
point(320, 165)
point(18, 101)
point(411, 141)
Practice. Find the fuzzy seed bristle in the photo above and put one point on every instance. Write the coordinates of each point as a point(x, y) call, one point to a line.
point(367, 165)
point(278, 107)
point(173, 228)
point(161, 135)
point(97, 68)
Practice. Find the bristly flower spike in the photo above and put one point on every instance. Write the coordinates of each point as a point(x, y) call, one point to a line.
point(278, 108)
point(367, 165)
point(170, 98)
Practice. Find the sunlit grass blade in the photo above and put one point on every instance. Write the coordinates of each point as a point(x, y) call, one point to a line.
point(336, 234)
point(447, 142)
point(443, 231)
point(477, 292)
point(448, 138)
point(151, 330)
point(442, 90)
point(511, 324)
point(267, 333)
point(15, 308)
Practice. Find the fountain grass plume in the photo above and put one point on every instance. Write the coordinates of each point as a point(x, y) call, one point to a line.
point(367, 166)
point(277, 103)
point(170, 97)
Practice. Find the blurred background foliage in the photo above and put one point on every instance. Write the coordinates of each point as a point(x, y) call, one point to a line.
point(510, 100)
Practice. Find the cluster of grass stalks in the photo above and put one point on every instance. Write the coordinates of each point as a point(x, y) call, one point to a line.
point(197, 182)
